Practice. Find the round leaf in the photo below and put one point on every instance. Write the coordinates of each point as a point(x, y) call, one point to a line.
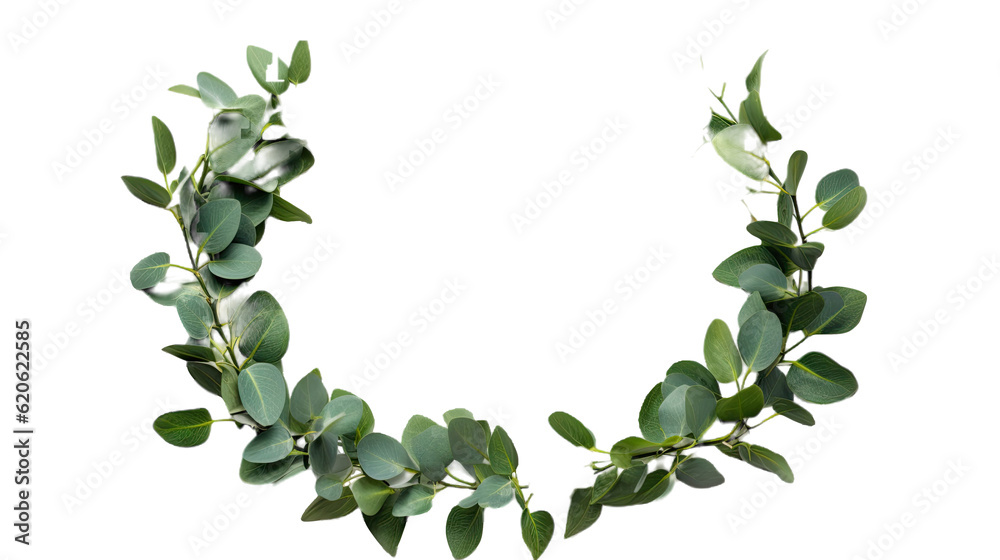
point(260, 328)
point(495, 492)
point(262, 390)
point(769, 281)
point(308, 398)
point(741, 147)
point(817, 379)
point(273, 444)
point(846, 210)
point(150, 271)
point(237, 262)
point(414, 500)
point(195, 314)
point(699, 473)
point(216, 225)
point(760, 340)
point(833, 186)
point(382, 457)
point(184, 428)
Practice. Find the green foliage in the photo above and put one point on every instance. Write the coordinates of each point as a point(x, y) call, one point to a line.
point(782, 310)
point(233, 349)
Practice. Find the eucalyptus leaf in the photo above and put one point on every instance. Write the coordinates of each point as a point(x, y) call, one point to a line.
point(766, 280)
point(415, 500)
point(262, 391)
point(818, 379)
point(273, 444)
point(537, 528)
point(308, 397)
point(721, 355)
point(299, 68)
point(260, 329)
point(502, 454)
point(582, 514)
point(834, 186)
point(572, 430)
point(687, 411)
point(846, 210)
point(468, 441)
point(195, 314)
point(741, 147)
point(207, 376)
point(699, 473)
point(732, 268)
point(793, 412)
point(166, 153)
point(370, 494)
point(147, 191)
point(215, 93)
point(322, 509)
point(796, 168)
point(464, 530)
point(184, 428)
point(382, 457)
point(760, 339)
point(190, 352)
point(746, 403)
point(494, 492)
point(150, 271)
point(259, 61)
point(386, 528)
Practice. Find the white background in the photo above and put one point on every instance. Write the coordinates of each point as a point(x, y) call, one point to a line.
point(902, 97)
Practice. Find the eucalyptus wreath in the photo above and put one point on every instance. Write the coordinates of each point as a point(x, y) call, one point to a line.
point(235, 342)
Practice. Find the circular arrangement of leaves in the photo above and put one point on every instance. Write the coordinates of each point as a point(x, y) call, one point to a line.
point(235, 344)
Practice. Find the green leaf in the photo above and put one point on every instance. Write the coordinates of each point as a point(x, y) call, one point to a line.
point(699, 473)
point(716, 124)
point(537, 529)
point(582, 514)
point(760, 340)
point(260, 328)
point(382, 457)
point(330, 487)
point(273, 444)
point(468, 441)
point(309, 397)
point(797, 313)
point(214, 92)
point(184, 428)
point(495, 492)
point(752, 305)
point(770, 282)
point(793, 412)
point(298, 70)
point(147, 191)
point(256, 204)
point(730, 270)
point(262, 390)
point(785, 206)
point(502, 454)
point(604, 483)
point(649, 415)
point(252, 107)
point(432, 451)
point(796, 167)
point(623, 451)
point(767, 460)
point(456, 413)
point(721, 355)
point(370, 494)
point(190, 352)
point(207, 376)
point(186, 90)
point(572, 430)
point(833, 186)
point(756, 118)
point(746, 403)
point(414, 427)
point(624, 488)
point(414, 500)
point(216, 224)
point(150, 271)
point(258, 60)
point(387, 529)
point(287, 212)
point(697, 373)
point(803, 256)
point(322, 509)
point(772, 383)
point(655, 486)
point(846, 210)
point(817, 379)
point(688, 411)
point(195, 314)
point(166, 153)
point(753, 78)
point(842, 311)
point(772, 233)
point(464, 530)
point(266, 473)
point(741, 147)
point(324, 453)
point(230, 136)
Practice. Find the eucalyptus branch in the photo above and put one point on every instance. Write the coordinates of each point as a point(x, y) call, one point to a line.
point(680, 409)
point(222, 215)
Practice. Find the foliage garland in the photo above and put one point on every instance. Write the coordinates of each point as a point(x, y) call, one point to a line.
point(235, 345)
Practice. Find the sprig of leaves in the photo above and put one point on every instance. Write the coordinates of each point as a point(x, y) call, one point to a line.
point(235, 343)
point(782, 304)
